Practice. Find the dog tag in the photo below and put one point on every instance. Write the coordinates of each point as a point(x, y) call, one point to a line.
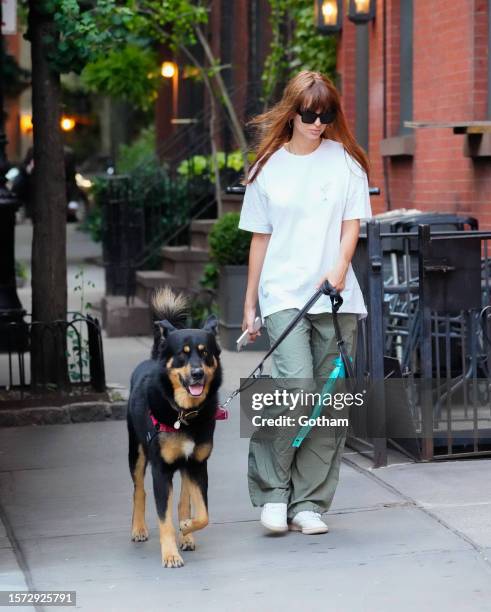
point(177, 424)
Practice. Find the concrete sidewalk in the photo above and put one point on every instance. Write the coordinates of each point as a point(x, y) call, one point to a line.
point(406, 537)
point(409, 536)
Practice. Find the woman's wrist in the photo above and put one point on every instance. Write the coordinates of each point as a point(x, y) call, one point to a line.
point(343, 265)
point(250, 301)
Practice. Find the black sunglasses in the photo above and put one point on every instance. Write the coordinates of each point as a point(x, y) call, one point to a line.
point(309, 116)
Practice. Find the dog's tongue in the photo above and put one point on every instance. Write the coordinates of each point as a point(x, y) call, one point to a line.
point(195, 389)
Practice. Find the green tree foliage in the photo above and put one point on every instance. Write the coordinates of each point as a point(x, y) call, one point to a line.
point(110, 42)
point(130, 73)
point(89, 29)
point(85, 30)
point(295, 45)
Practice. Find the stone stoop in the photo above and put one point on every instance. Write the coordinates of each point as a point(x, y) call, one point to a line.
point(232, 202)
point(200, 228)
point(121, 319)
point(149, 280)
point(185, 263)
point(182, 266)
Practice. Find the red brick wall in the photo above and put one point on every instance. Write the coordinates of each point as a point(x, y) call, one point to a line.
point(450, 84)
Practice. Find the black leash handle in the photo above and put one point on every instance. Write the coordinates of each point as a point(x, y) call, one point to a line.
point(325, 289)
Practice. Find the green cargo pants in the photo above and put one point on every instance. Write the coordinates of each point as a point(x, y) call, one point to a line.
point(305, 478)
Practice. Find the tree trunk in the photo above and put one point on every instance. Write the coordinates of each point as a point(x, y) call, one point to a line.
point(225, 99)
point(49, 269)
point(214, 155)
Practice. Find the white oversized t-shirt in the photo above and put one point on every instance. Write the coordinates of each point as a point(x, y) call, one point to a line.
point(301, 200)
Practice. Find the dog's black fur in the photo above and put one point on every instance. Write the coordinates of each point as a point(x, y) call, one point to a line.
point(182, 359)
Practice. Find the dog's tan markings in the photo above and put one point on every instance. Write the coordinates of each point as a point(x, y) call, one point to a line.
point(186, 348)
point(169, 363)
point(200, 519)
point(202, 451)
point(168, 546)
point(139, 531)
point(210, 370)
point(201, 347)
point(182, 398)
point(175, 446)
point(186, 542)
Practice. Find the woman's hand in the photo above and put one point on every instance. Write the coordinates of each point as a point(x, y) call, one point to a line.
point(336, 276)
point(248, 321)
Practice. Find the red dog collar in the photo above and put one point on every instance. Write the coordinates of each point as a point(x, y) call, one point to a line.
point(161, 426)
point(221, 414)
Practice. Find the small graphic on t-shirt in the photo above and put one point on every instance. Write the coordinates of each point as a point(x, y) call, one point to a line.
point(325, 189)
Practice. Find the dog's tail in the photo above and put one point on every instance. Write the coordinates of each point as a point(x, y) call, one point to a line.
point(166, 304)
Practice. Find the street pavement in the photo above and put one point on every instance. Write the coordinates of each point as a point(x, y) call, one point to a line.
point(411, 536)
point(407, 537)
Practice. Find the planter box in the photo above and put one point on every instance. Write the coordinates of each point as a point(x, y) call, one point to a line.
point(232, 286)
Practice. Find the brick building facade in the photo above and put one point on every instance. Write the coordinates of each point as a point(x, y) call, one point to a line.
point(427, 63)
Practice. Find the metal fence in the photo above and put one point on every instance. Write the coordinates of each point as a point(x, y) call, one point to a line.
point(138, 221)
point(425, 347)
point(77, 371)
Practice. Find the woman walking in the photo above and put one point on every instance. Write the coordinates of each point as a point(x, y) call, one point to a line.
point(304, 198)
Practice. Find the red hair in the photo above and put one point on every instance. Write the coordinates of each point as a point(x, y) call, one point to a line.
point(308, 90)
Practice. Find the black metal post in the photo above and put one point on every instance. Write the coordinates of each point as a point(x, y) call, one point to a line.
point(376, 342)
point(11, 310)
point(424, 239)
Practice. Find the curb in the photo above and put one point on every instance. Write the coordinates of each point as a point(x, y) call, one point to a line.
point(83, 412)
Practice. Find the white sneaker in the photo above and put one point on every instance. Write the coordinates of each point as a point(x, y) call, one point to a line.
point(273, 517)
point(308, 522)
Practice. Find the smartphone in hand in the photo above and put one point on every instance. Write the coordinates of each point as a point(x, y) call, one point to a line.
point(243, 339)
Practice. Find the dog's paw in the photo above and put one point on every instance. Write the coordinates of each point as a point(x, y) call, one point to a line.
point(172, 560)
point(186, 542)
point(139, 533)
point(186, 526)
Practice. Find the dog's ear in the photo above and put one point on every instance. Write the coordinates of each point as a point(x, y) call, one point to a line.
point(165, 327)
point(211, 324)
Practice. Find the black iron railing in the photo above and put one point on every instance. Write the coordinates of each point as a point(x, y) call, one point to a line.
point(426, 349)
point(77, 371)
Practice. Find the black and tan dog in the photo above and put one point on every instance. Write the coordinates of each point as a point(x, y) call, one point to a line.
point(171, 420)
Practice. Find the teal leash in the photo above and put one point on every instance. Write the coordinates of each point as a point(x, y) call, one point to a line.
point(338, 372)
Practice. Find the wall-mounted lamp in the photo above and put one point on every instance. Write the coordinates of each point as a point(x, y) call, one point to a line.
point(168, 70)
point(25, 123)
point(361, 11)
point(328, 15)
point(67, 123)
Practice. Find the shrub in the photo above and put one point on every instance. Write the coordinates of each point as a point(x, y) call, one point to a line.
point(141, 151)
point(229, 245)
